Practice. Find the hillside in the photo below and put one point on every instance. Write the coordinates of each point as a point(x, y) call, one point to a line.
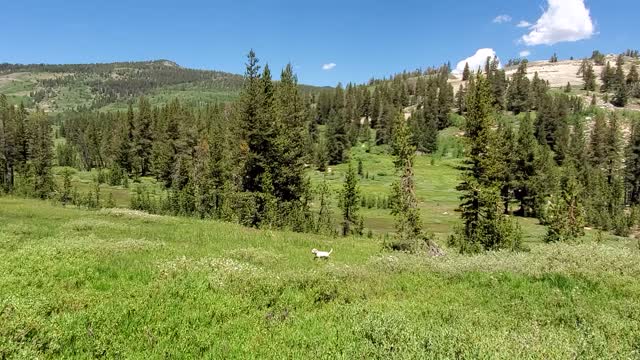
point(565, 72)
point(109, 86)
point(125, 284)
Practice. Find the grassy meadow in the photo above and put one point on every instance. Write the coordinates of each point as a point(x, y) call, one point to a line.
point(117, 283)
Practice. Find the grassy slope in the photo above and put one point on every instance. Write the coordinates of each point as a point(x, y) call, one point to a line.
point(169, 82)
point(110, 284)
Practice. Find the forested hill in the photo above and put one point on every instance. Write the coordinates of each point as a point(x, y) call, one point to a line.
point(109, 86)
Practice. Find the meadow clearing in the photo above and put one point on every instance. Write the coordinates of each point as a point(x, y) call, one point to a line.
point(117, 283)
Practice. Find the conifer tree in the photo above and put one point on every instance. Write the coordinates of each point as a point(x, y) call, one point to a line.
point(547, 120)
point(566, 214)
point(404, 204)
point(620, 96)
point(169, 141)
point(424, 122)
point(632, 165)
point(608, 78)
point(506, 164)
point(143, 137)
point(589, 76)
point(460, 97)
point(288, 169)
point(485, 226)
point(336, 138)
point(598, 145)
point(466, 73)
point(578, 153)
point(324, 224)
point(201, 181)
point(125, 142)
point(524, 169)
point(632, 77)
point(41, 156)
point(8, 144)
point(537, 92)
point(350, 203)
point(518, 91)
point(445, 98)
point(66, 195)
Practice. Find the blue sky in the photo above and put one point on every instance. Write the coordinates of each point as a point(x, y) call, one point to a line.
point(362, 38)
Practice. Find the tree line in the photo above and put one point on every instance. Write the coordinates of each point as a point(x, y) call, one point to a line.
point(246, 161)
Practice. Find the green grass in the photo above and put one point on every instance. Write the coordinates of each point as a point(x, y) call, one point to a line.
point(123, 284)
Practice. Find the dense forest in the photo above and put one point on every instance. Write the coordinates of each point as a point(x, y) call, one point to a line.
point(530, 151)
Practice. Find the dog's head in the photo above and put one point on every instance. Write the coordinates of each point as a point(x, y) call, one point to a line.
point(314, 251)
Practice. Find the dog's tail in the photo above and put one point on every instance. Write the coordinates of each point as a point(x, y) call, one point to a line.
point(331, 251)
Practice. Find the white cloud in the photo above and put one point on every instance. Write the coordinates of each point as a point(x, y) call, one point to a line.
point(564, 20)
point(478, 60)
point(525, 53)
point(523, 24)
point(502, 19)
point(328, 66)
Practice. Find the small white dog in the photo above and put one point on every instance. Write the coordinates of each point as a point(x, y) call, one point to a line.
point(321, 254)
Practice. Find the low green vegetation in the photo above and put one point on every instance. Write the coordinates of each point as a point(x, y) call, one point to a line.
point(121, 283)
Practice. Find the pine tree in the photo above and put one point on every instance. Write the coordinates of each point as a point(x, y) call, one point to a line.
point(566, 214)
point(66, 195)
point(350, 202)
point(466, 73)
point(506, 164)
point(547, 120)
point(201, 181)
point(8, 146)
point(404, 204)
point(608, 78)
point(125, 141)
point(324, 224)
point(288, 166)
point(143, 137)
point(589, 77)
point(518, 91)
point(524, 169)
point(621, 95)
point(598, 146)
point(336, 138)
point(221, 167)
point(445, 98)
point(261, 132)
point(460, 96)
point(632, 77)
point(537, 92)
point(41, 156)
point(632, 165)
point(578, 153)
point(424, 122)
point(485, 226)
point(169, 140)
